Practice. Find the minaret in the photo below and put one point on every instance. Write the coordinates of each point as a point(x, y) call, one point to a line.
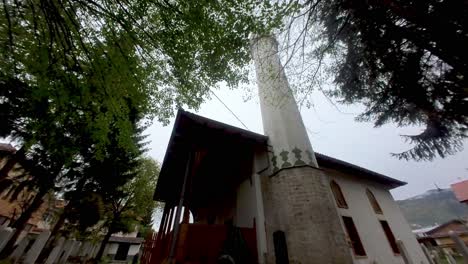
point(297, 198)
point(282, 120)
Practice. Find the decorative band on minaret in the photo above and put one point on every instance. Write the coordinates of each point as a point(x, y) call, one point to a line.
point(282, 121)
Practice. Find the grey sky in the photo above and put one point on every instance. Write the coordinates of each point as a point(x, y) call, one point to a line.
point(336, 134)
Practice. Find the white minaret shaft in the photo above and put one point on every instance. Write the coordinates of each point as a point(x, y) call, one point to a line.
point(282, 121)
point(298, 204)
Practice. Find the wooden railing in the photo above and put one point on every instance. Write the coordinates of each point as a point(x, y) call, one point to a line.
point(197, 243)
point(148, 248)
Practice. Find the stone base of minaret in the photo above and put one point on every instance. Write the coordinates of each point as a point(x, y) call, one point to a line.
point(298, 202)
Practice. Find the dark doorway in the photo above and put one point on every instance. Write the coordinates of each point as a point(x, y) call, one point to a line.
point(122, 251)
point(281, 248)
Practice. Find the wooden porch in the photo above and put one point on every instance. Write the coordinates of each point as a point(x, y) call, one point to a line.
point(201, 176)
point(198, 244)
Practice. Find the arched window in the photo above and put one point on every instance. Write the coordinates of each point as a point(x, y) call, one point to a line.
point(373, 202)
point(339, 197)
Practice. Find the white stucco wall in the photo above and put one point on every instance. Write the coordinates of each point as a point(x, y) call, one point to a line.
point(111, 248)
point(249, 206)
point(133, 250)
point(246, 205)
point(367, 223)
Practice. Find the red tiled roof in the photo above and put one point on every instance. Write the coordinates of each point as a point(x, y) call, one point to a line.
point(458, 226)
point(461, 190)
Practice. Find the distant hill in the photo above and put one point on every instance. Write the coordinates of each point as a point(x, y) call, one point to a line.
point(432, 207)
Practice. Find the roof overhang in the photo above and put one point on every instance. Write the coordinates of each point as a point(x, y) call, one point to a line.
point(128, 240)
point(343, 166)
point(193, 133)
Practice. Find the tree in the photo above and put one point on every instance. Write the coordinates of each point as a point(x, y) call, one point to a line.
point(171, 54)
point(185, 48)
point(143, 187)
point(45, 166)
point(72, 74)
point(88, 186)
point(69, 68)
point(59, 108)
point(58, 131)
point(133, 206)
point(403, 60)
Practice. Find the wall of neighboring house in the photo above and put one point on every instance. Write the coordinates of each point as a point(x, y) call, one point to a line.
point(111, 250)
point(447, 240)
point(12, 209)
point(448, 245)
point(367, 221)
point(134, 249)
point(443, 239)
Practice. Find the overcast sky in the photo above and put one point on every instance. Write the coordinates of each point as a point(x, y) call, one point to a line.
point(334, 133)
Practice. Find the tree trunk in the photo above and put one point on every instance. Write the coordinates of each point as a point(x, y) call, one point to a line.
point(58, 226)
point(53, 236)
point(15, 158)
point(21, 222)
point(60, 222)
point(105, 241)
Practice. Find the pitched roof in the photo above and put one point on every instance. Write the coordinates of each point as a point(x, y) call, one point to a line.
point(461, 190)
point(192, 131)
point(326, 161)
point(189, 127)
point(131, 240)
point(5, 147)
point(424, 230)
point(458, 226)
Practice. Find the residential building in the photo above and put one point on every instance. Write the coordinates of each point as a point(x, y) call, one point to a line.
point(123, 248)
point(439, 236)
point(12, 207)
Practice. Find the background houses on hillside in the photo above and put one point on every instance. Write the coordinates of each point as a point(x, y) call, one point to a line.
point(122, 248)
point(432, 208)
point(439, 236)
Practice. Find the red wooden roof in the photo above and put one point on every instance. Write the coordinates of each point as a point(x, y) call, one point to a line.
point(458, 226)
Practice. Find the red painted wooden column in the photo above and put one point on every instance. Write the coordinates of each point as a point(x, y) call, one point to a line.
point(162, 224)
point(186, 217)
point(165, 238)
